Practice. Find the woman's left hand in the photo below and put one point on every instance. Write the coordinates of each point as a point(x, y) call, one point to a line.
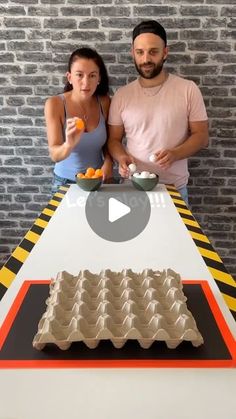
point(107, 169)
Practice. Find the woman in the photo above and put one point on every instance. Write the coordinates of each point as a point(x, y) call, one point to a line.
point(86, 97)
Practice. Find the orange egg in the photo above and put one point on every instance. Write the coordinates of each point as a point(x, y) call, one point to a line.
point(99, 172)
point(79, 124)
point(90, 172)
point(80, 175)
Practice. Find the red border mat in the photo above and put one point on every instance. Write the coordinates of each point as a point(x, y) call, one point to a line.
point(225, 333)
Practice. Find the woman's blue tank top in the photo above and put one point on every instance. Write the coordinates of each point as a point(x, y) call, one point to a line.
point(88, 153)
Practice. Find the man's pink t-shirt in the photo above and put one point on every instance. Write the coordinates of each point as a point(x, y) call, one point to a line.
point(160, 121)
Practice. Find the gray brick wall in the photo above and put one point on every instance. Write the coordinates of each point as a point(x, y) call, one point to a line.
point(36, 39)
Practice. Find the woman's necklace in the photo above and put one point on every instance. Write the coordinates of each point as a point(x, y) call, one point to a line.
point(84, 114)
point(153, 91)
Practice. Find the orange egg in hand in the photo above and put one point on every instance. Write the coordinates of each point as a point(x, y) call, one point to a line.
point(79, 124)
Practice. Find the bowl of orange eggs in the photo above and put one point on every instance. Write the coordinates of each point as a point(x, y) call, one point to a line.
point(91, 180)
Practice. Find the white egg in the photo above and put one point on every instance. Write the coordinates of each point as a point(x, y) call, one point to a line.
point(152, 176)
point(152, 158)
point(144, 175)
point(132, 167)
point(136, 174)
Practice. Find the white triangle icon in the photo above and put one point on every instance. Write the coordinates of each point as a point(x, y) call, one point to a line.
point(116, 210)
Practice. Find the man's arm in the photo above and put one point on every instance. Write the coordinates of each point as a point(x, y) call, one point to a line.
point(117, 150)
point(197, 140)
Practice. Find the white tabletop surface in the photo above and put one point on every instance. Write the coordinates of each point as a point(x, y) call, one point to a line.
point(68, 243)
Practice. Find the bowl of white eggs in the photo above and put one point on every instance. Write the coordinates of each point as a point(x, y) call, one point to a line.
point(144, 181)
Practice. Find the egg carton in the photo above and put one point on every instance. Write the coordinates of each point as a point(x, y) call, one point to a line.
point(117, 306)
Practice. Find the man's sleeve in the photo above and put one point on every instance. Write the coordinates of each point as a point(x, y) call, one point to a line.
point(197, 109)
point(115, 117)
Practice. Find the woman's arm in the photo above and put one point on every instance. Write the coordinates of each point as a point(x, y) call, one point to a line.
point(54, 116)
point(108, 161)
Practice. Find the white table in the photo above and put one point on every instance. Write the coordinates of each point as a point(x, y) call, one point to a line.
point(69, 244)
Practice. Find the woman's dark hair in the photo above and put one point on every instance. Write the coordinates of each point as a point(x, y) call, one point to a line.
point(90, 54)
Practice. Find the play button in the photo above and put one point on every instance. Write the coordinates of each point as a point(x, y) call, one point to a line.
point(117, 212)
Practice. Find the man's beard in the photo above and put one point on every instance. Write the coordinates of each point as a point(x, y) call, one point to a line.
point(151, 73)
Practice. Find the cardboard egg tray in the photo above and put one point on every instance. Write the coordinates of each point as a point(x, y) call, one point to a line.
point(117, 306)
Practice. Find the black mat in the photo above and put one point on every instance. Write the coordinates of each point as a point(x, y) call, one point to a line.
point(18, 344)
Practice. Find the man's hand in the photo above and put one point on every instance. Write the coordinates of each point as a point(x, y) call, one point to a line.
point(165, 158)
point(124, 162)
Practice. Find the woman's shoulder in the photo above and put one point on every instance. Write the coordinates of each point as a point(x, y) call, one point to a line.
point(105, 104)
point(54, 105)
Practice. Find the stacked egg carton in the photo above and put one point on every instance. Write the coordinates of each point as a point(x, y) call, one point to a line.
point(148, 306)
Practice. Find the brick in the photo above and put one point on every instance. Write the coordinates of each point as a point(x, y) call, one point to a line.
point(89, 24)
point(198, 11)
point(36, 171)
point(28, 132)
point(39, 34)
point(224, 58)
point(204, 69)
point(41, 198)
point(16, 121)
point(13, 232)
point(228, 11)
point(228, 191)
point(8, 142)
point(7, 57)
point(30, 80)
point(16, 10)
point(60, 23)
point(86, 36)
point(15, 101)
point(78, 11)
point(13, 161)
point(25, 46)
point(210, 182)
point(226, 102)
point(115, 35)
point(44, 161)
point(27, 214)
point(32, 151)
point(8, 180)
point(29, 180)
point(176, 47)
point(12, 34)
point(30, 111)
point(229, 69)
point(226, 123)
point(23, 197)
point(42, 11)
point(214, 23)
point(10, 69)
point(223, 172)
point(21, 22)
point(7, 111)
point(209, 46)
point(22, 189)
point(5, 198)
point(16, 90)
point(34, 207)
point(154, 11)
point(196, 34)
point(34, 56)
point(13, 171)
point(30, 68)
point(11, 207)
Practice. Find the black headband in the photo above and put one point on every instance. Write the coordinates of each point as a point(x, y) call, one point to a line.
point(150, 26)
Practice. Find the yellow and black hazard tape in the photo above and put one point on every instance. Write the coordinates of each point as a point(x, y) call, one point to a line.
point(224, 280)
point(20, 254)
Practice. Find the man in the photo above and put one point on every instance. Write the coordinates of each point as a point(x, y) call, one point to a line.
point(161, 115)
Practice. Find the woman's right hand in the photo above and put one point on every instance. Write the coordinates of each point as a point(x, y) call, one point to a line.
point(73, 134)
